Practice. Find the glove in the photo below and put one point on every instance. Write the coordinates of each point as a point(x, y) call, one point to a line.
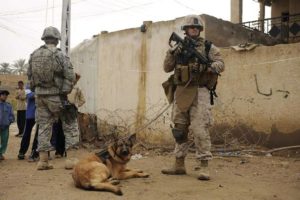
point(176, 49)
point(213, 68)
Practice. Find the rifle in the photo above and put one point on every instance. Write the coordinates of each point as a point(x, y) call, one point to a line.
point(68, 111)
point(189, 51)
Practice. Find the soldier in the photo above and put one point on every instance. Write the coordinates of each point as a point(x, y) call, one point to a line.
point(76, 100)
point(192, 108)
point(51, 77)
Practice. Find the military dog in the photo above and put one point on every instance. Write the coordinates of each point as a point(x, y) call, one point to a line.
point(101, 171)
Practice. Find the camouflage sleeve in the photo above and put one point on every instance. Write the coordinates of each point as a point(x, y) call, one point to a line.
point(169, 62)
point(217, 61)
point(68, 73)
point(29, 70)
point(29, 74)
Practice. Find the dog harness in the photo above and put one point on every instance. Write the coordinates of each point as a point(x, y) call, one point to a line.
point(103, 155)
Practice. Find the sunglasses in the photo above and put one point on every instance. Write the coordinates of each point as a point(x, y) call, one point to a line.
point(193, 27)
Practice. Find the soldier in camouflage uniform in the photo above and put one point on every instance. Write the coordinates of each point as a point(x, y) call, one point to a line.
point(51, 76)
point(192, 108)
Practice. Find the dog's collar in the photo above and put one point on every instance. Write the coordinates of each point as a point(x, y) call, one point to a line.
point(103, 155)
point(115, 156)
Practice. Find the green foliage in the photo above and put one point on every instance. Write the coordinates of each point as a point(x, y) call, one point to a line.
point(20, 67)
point(5, 68)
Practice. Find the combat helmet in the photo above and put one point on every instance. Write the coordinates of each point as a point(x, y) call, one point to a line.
point(51, 32)
point(192, 20)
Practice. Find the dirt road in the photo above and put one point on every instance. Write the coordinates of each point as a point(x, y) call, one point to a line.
point(264, 178)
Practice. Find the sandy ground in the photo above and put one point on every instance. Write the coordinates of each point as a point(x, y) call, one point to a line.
point(254, 178)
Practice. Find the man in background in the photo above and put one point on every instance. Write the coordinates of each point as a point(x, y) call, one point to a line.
point(21, 108)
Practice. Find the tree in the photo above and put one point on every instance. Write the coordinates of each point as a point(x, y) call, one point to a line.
point(20, 67)
point(5, 68)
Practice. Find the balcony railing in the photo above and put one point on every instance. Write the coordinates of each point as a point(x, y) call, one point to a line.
point(285, 28)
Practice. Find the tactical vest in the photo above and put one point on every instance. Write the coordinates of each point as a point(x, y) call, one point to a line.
point(196, 73)
point(46, 69)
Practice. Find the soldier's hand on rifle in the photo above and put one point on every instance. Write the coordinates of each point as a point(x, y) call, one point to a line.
point(176, 49)
point(212, 68)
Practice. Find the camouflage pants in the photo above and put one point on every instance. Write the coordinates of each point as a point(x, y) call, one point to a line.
point(199, 118)
point(71, 132)
point(48, 111)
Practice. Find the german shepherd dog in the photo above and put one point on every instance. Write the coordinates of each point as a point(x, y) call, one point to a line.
point(101, 171)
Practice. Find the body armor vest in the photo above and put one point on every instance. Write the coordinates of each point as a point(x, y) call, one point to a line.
point(46, 68)
point(190, 69)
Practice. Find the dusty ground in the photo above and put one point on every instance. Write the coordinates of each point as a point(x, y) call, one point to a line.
point(255, 178)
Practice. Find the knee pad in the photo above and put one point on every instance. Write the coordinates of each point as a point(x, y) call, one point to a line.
point(180, 133)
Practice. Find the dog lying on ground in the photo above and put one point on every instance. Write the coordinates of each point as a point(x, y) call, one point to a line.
point(101, 171)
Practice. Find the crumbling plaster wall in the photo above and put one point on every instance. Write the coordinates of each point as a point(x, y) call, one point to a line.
point(122, 76)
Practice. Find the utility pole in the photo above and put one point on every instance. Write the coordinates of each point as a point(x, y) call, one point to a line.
point(65, 27)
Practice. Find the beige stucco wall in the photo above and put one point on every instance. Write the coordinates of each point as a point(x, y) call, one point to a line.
point(224, 33)
point(276, 69)
point(122, 76)
point(85, 61)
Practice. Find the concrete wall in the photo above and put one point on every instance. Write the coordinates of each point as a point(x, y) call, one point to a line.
point(85, 61)
point(122, 74)
point(236, 11)
point(224, 33)
point(280, 6)
point(260, 89)
point(294, 7)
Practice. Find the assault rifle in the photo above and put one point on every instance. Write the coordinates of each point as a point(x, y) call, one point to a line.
point(189, 51)
point(68, 111)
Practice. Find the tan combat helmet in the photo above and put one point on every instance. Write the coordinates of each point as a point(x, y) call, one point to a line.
point(51, 32)
point(192, 20)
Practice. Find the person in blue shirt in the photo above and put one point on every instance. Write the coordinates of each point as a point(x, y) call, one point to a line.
point(29, 124)
point(6, 118)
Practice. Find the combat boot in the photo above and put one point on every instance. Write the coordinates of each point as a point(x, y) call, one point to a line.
point(204, 172)
point(34, 156)
point(43, 163)
point(70, 162)
point(177, 169)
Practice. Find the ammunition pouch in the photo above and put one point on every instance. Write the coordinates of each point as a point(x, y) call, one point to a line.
point(192, 72)
point(169, 88)
point(181, 75)
point(210, 80)
point(180, 133)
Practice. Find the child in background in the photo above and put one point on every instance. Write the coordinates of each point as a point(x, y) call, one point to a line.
point(6, 118)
